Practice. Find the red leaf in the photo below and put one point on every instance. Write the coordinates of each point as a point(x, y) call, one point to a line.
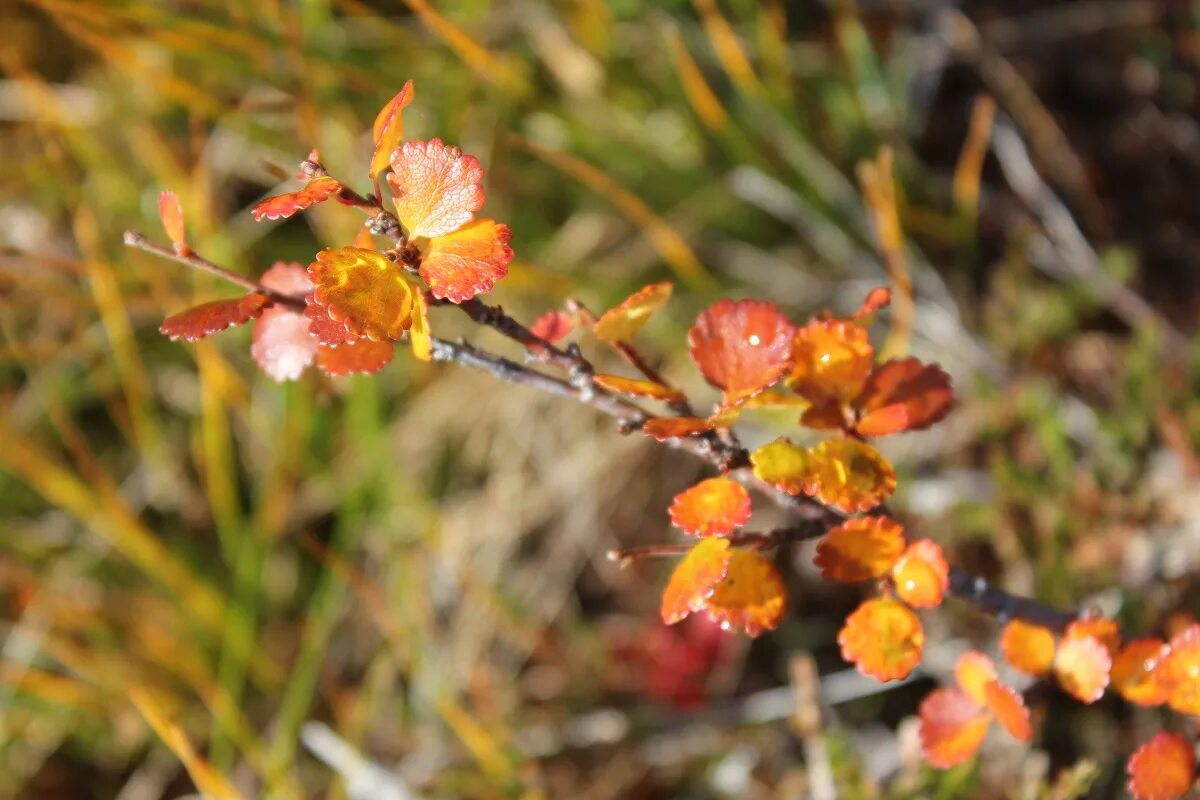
point(903, 395)
point(202, 320)
point(743, 347)
point(437, 188)
point(171, 215)
point(1162, 768)
point(362, 356)
point(877, 299)
point(324, 328)
point(468, 261)
point(282, 206)
point(553, 326)
point(712, 507)
point(952, 727)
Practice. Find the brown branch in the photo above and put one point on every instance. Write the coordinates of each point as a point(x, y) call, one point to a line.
point(754, 540)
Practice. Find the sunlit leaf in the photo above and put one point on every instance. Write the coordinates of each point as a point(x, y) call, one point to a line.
point(364, 291)
point(883, 638)
point(326, 330)
point(1162, 768)
point(637, 388)
point(388, 130)
point(974, 671)
point(207, 318)
point(1133, 671)
point(468, 261)
point(664, 428)
point(282, 206)
point(712, 507)
point(860, 549)
point(437, 188)
point(952, 727)
point(831, 360)
point(281, 344)
point(1009, 708)
point(903, 395)
point(1104, 630)
point(1027, 647)
point(419, 337)
point(552, 326)
point(695, 579)
point(362, 357)
point(751, 596)
point(782, 464)
point(1179, 671)
point(1082, 665)
point(921, 576)
point(849, 475)
point(170, 212)
point(622, 321)
point(743, 347)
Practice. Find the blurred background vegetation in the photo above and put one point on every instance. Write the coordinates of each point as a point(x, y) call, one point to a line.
point(395, 587)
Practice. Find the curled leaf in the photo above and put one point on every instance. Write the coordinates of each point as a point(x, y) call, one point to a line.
point(921, 576)
point(1027, 647)
point(208, 318)
point(751, 596)
point(468, 261)
point(1082, 665)
point(1177, 673)
point(876, 300)
point(170, 213)
point(388, 129)
point(952, 727)
point(637, 388)
point(883, 638)
point(903, 395)
point(743, 347)
point(364, 291)
point(831, 360)
point(282, 206)
point(849, 475)
point(360, 357)
point(695, 579)
point(782, 464)
point(437, 188)
point(712, 507)
point(664, 428)
point(1133, 671)
point(1162, 768)
point(860, 549)
point(622, 321)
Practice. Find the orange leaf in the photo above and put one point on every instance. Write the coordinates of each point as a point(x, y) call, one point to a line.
point(171, 215)
point(883, 638)
point(326, 330)
point(1178, 671)
point(1028, 648)
point(282, 206)
point(419, 337)
point(664, 428)
point(637, 388)
point(712, 507)
point(361, 356)
point(622, 321)
point(1104, 630)
point(468, 261)
point(206, 318)
point(1162, 768)
point(552, 326)
point(750, 597)
point(827, 415)
point(743, 347)
point(903, 395)
point(695, 579)
point(437, 188)
point(388, 129)
point(1010, 710)
point(974, 671)
point(860, 549)
point(1133, 671)
point(877, 299)
point(1082, 665)
point(782, 464)
point(952, 727)
point(281, 344)
point(364, 291)
point(831, 360)
point(921, 576)
point(849, 475)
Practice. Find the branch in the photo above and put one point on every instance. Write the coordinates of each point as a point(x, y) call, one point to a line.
point(754, 540)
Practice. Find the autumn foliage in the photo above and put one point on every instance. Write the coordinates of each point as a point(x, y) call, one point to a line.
point(345, 311)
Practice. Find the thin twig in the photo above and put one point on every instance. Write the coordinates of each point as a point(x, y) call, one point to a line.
point(754, 540)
